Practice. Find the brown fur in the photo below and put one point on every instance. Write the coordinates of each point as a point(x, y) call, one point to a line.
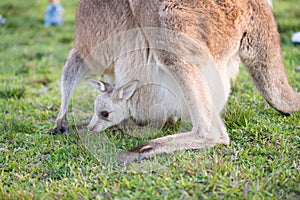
point(226, 30)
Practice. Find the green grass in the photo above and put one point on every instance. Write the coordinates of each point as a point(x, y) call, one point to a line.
point(261, 162)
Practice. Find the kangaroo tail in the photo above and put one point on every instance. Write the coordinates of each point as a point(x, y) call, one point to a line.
point(260, 51)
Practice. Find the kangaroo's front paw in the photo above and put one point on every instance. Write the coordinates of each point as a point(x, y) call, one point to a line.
point(61, 127)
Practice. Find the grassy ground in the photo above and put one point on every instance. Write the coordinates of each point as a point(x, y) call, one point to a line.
point(262, 161)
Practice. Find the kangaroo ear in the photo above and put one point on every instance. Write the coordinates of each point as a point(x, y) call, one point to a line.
point(101, 86)
point(126, 91)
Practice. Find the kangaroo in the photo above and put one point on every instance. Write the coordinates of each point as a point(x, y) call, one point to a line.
point(270, 2)
point(128, 106)
point(221, 32)
point(143, 102)
point(146, 95)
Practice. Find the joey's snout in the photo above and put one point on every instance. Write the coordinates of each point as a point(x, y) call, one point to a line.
point(97, 125)
point(95, 128)
point(93, 125)
point(91, 128)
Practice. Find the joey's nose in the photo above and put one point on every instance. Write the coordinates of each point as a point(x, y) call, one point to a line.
point(91, 128)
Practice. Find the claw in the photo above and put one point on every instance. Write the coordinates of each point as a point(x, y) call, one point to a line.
point(61, 127)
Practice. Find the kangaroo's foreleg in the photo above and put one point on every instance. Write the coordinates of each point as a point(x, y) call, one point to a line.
point(72, 73)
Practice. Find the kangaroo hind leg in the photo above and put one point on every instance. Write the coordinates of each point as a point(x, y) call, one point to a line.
point(208, 129)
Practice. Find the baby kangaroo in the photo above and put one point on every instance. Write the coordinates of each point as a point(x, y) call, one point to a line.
point(190, 47)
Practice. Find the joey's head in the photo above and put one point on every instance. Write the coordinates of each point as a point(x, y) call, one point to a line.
point(110, 106)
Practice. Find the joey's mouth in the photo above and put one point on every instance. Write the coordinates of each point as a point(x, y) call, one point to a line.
point(94, 129)
point(91, 129)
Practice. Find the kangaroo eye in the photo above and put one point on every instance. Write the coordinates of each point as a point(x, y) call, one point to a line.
point(104, 114)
